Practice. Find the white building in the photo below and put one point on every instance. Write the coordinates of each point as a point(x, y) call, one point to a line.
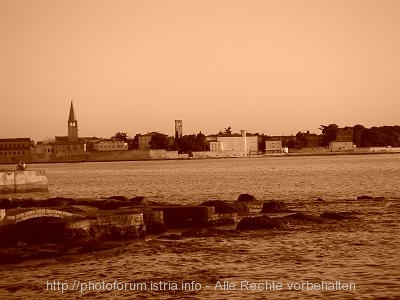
point(235, 145)
point(110, 145)
point(341, 146)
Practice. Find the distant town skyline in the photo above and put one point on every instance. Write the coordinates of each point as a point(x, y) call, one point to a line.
point(273, 67)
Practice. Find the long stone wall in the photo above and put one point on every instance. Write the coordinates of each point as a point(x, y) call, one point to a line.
point(125, 155)
point(23, 181)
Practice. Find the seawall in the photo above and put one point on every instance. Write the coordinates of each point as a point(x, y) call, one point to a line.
point(23, 181)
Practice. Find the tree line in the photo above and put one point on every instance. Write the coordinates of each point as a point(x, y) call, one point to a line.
point(362, 137)
point(185, 144)
point(376, 136)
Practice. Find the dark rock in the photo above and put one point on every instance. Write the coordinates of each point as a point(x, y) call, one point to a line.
point(76, 209)
point(187, 216)
point(249, 203)
point(242, 207)
point(156, 203)
point(273, 206)
point(221, 206)
point(5, 203)
point(223, 219)
point(139, 201)
point(263, 222)
point(106, 204)
point(25, 203)
point(299, 218)
point(120, 198)
point(155, 228)
point(77, 236)
point(246, 198)
point(59, 201)
point(320, 200)
point(336, 216)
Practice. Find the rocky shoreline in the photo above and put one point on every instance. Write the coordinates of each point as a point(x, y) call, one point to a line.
point(31, 229)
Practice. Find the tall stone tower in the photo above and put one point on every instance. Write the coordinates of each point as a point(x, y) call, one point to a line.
point(178, 129)
point(72, 126)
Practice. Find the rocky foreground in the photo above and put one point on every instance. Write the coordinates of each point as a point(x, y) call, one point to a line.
point(56, 226)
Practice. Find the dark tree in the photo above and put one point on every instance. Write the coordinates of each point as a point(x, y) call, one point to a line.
point(358, 132)
point(159, 141)
point(201, 144)
point(329, 133)
point(261, 142)
point(121, 136)
point(190, 143)
point(228, 130)
point(301, 140)
point(135, 142)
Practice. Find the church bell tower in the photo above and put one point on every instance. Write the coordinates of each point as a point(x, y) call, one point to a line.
point(72, 126)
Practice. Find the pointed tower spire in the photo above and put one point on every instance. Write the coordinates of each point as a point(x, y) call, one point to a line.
point(72, 117)
point(72, 126)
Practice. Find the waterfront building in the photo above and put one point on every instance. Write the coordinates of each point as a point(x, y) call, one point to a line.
point(215, 146)
point(343, 141)
point(144, 140)
point(44, 147)
point(235, 144)
point(15, 149)
point(341, 146)
point(108, 145)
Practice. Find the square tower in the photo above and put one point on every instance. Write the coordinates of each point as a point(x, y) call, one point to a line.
point(178, 129)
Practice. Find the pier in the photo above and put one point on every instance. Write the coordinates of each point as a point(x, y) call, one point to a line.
point(23, 181)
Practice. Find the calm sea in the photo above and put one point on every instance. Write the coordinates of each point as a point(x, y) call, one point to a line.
point(363, 252)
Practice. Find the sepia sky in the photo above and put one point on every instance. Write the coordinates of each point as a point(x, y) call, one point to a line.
point(267, 66)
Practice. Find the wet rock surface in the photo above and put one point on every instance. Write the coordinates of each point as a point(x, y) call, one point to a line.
point(246, 198)
point(226, 206)
point(260, 222)
point(274, 206)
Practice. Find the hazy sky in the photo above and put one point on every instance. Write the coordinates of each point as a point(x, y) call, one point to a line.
point(265, 66)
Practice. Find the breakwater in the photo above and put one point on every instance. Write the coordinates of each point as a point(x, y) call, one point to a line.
point(66, 223)
point(23, 181)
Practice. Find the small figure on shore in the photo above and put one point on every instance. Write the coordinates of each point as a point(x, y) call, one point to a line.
point(21, 166)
